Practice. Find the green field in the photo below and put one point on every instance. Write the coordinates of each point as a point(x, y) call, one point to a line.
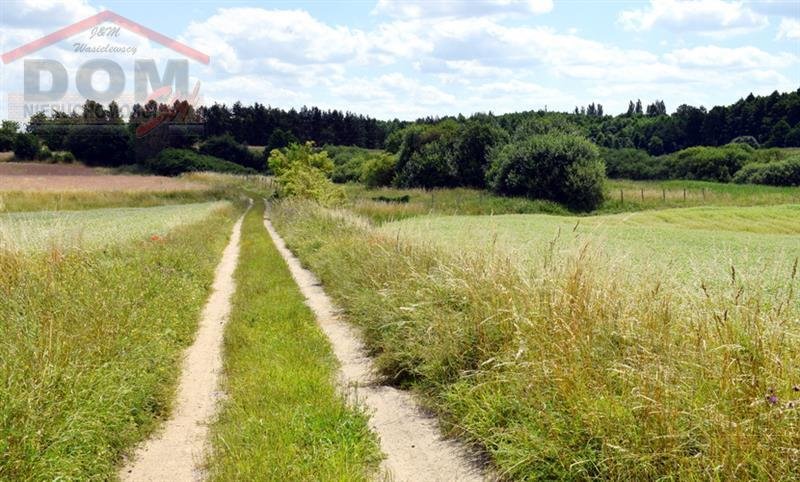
point(96, 228)
point(691, 245)
point(632, 346)
point(388, 204)
point(91, 339)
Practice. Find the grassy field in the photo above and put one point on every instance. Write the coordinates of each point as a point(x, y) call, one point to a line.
point(283, 418)
point(96, 228)
point(91, 338)
point(386, 204)
point(681, 247)
point(574, 356)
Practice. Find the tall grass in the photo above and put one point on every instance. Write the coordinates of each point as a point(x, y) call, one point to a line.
point(96, 228)
point(390, 204)
point(15, 201)
point(564, 368)
point(90, 343)
point(283, 418)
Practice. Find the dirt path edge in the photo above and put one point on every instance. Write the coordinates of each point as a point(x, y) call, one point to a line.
point(177, 452)
point(410, 438)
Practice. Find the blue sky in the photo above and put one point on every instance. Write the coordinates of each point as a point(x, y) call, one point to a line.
point(407, 59)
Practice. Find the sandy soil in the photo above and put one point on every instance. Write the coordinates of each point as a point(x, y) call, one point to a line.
point(410, 438)
point(177, 453)
point(30, 176)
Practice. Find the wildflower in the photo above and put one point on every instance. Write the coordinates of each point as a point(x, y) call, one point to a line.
point(796, 388)
point(772, 399)
point(156, 238)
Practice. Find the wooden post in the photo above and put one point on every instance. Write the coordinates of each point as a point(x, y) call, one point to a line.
point(684, 194)
point(704, 194)
point(642, 194)
point(621, 197)
point(663, 195)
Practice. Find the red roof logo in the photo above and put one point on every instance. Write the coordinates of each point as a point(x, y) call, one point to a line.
point(94, 20)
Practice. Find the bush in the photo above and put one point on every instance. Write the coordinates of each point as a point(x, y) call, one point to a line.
point(427, 156)
point(8, 132)
point(171, 162)
point(559, 167)
point(306, 154)
point(26, 146)
point(378, 170)
point(279, 139)
point(63, 156)
point(710, 163)
point(778, 173)
point(473, 146)
point(225, 147)
point(44, 154)
point(101, 145)
point(302, 171)
point(632, 163)
point(348, 162)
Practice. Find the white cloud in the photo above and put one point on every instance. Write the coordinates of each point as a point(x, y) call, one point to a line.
point(708, 17)
point(741, 58)
point(789, 29)
point(460, 8)
point(44, 14)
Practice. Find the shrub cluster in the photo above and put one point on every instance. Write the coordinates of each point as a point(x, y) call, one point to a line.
point(171, 162)
point(109, 145)
point(225, 147)
point(26, 147)
point(778, 173)
point(303, 171)
point(559, 167)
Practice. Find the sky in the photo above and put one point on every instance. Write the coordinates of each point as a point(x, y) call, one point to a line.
point(409, 59)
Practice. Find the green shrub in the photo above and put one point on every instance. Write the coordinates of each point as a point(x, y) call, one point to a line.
point(427, 156)
point(378, 170)
point(473, 146)
point(710, 163)
point(348, 162)
point(44, 154)
point(171, 162)
point(629, 163)
point(302, 171)
point(280, 139)
point(63, 156)
point(306, 154)
point(100, 145)
point(559, 167)
point(778, 173)
point(26, 146)
point(8, 131)
point(225, 147)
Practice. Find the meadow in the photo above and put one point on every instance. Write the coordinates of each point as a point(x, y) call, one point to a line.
point(92, 333)
point(634, 346)
point(390, 204)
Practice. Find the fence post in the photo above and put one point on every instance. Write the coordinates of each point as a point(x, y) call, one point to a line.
point(684, 194)
point(663, 195)
point(704, 194)
point(642, 194)
point(621, 197)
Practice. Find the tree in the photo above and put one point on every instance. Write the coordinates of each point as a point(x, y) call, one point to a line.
point(779, 133)
point(558, 167)
point(26, 146)
point(638, 110)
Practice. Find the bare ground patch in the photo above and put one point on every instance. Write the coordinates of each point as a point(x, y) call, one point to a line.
point(29, 176)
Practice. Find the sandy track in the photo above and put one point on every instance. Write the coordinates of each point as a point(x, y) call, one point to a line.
point(177, 452)
point(410, 438)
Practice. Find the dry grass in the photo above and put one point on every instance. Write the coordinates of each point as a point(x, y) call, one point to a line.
point(27, 176)
point(564, 367)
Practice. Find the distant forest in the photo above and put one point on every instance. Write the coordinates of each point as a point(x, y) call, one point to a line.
point(773, 120)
